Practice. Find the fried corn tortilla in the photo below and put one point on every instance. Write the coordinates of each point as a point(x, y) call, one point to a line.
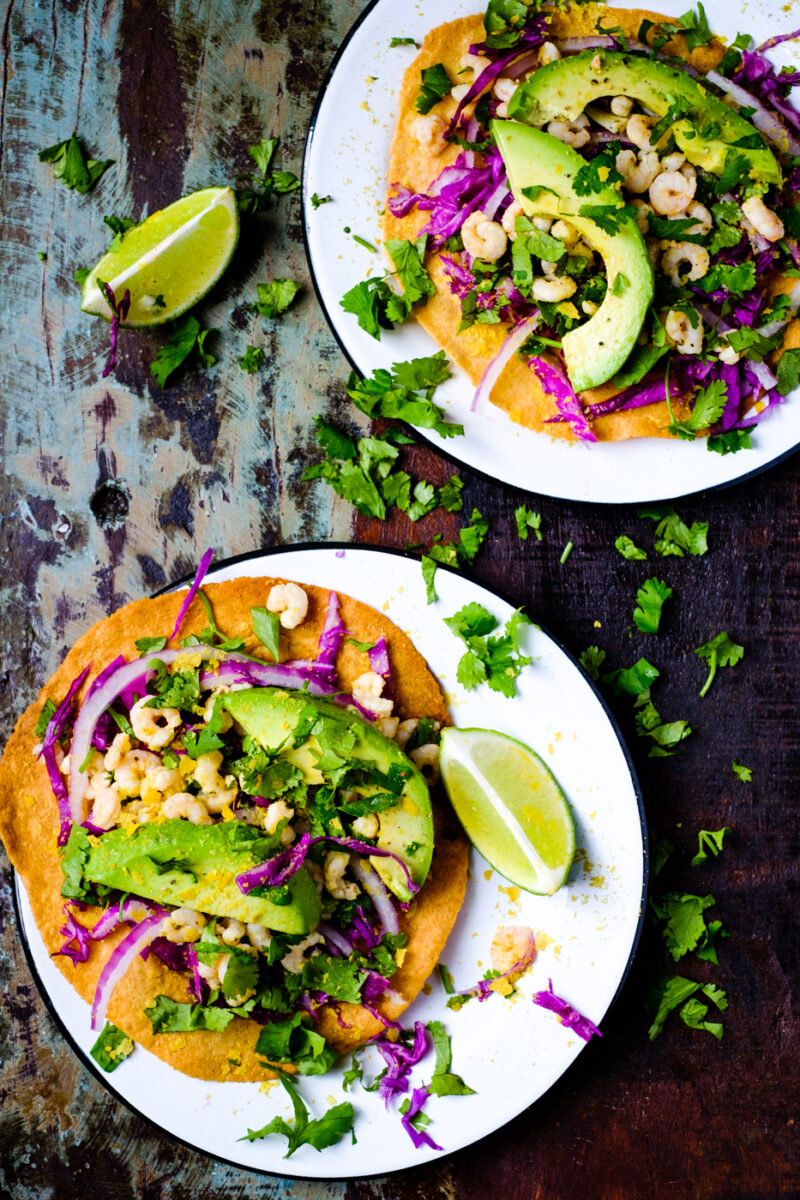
point(518, 391)
point(29, 824)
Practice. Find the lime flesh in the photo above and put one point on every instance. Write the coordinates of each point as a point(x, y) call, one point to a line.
point(510, 805)
point(169, 261)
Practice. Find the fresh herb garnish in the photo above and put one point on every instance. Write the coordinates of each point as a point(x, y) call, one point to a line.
point(434, 87)
point(401, 41)
point(317, 201)
point(695, 26)
point(444, 1082)
point(252, 360)
point(628, 548)
point(708, 407)
point(685, 927)
point(609, 218)
point(408, 264)
point(527, 519)
point(268, 183)
point(111, 1048)
point(742, 772)
point(406, 392)
point(454, 554)
point(320, 1132)
point(119, 226)
point(71, 165)
point(650, 601)
point(493, 660)
point(709, 844)
point(592, 659)
point(597, 174)
point(275, 297)
point(719, 652)
point(730, 442)
point(376, 306)
point(188, 338)
point(668, 994)
point(266, 627)
point(673, 536)
point(788, 372)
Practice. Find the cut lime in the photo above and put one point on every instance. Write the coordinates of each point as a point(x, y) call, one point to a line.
point(169, 261)
point(511, 807)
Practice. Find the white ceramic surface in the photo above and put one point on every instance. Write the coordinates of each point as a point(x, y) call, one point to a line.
point(511, 1052)
point(347, 157)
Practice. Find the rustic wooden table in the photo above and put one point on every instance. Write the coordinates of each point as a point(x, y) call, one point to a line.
point(113, 488)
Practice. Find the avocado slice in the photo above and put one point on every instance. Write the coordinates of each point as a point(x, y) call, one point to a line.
point(706, 134)
point(594, 351)
point(306, 730)
point(175, 862)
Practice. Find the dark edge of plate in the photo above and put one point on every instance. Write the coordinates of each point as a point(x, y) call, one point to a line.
point(439, 447)
point(103, 1078)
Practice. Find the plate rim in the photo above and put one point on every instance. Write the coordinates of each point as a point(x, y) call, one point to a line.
point(421, 434)
point(104, 1079)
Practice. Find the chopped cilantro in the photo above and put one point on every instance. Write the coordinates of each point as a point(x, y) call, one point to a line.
point(504, 22)
point(262, 153)
point(565, 553)
point(80, 275)
point(673, 536)
point(292, 1041)
point(597, 174)
point(318, 201)
point(406, 393)
point(668, 994)
point(632, 681)
point(362, 646)
point(708, 407)
point(111, 1048)
point(266, 627)
point(252, 360)
point(719, 652)
point(592, 659)
point(275, 297)
point(119, 226)
point(742, 772)
point(649, 602)
point(335, 443)
point(174, 1016)
point(408, 264)
point(363, 242)
point(730, 442)
point(788, 372)
point(709, 844)
point(434, 87)
point(195, 744)
point(628, 548)
point(684, 925)
point(148, 644)
point(607, 216)
point(695, 25)
point(48, 710)
point(188, 338)
point(528, 519)
point(444, 1082)
point(320, 1132)
point(735, 280)
point(401, 41)
point(71, 165)
point(450, 494)
point(454, 554)
point(376, 306)
point(494, 660)
point(251, 200)
point(666, 736)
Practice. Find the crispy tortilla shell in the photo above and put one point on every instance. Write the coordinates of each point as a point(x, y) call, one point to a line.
point(29, 824)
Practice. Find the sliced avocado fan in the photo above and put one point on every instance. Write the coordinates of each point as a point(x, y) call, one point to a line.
point(540, 171)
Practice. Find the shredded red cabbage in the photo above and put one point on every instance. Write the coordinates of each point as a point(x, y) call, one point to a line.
point(337, 942)
point(637, 396)
point(776, 41)
point(399, 1060)
point(554, 381)
point(374, 986)
point(205, 563)
point(569, 1016)
point(420, 1137)
point(757, 74)
point(483, 988)
point(379, 661)
point(118, 313)
point(73, 931)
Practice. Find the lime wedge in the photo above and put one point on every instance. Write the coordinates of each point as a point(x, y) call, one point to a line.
point(511, 807)
point(169, 261)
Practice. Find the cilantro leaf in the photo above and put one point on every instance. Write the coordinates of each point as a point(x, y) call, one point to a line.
point(504, 22)
point(71, 166)
point(708, 407)
point(454, 554)
point(406, 393)
point(666, 736)
point(333, 441)
point(650, 600)
point(684, 924)
point(275, 297)
point(752, 344)
point(337, 977)
point(607, 216)
point(730, 442)
point(597, 174)
point(174, 1016)
point(735, 280)
point(628, 548)
point(719, 652)
point(495, 660)
point(668, 994)
point(252, 360)
point(408, 264)
point(292, 1041)
point(187, 337)
point(528, 519)
point(206, 740)
point(444, 1082)
point(632, 681)
point(696, 28)
point(673, 536)
point(119, 226)
point(401, 41)
point(450, 494)
point(788, 372)
point(693, 1014)
point(43, 720)
point(709, 843)
point(592, 659)
point(262, 153)
point(318, 201)
point(434, 87)
point(266, 627)
point(111, 1048)
point(376, 306)
point(148, 644)
point(742, 772)
point(320, 1132)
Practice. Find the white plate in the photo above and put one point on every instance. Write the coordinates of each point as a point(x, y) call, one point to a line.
point(347, 157)
point(510, 1052)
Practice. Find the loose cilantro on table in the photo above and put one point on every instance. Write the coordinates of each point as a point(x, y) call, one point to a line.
point(111, 1048)
point(275, 297)
point(71, 165)
point(188, 339)
point(493, 660)
point(320, 1132)
point(119, 226)
point(592, 659)
point(454, 554)
point(650, 601)
point(685, 927)
point(268, 182)
point(709, 844)
point(668, 994)
point(719, 652)
point(527, 519)
point(628, 548)
point(632, 681)
point(742, 772)
point(252, 360)
point(666, 736)
point(435, 85)
point(450, 494)
point(565, 553)
point(673, 536)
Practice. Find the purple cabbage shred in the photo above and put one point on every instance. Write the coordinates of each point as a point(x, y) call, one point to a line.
point(569, 1016)
point(420, 1137)
point(118, 313)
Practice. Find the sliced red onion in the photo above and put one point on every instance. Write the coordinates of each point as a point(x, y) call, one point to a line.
point(504, 355)
point(764, 121)
point(235, 668)
point(526, 63)
point(570, 1016)
point(121, 959)
point(763, 374)
point(130, 909)
point(375, 888)
point(205, 563)
point(599, 41)
point(336, 939)
point(118, 313)
point(55, 727)
point(198, 987)
point(379, 661)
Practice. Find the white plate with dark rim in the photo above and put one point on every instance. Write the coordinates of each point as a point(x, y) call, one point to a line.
point(347, 157)
point(510, 1052)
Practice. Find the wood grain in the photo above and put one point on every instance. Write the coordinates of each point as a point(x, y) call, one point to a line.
point(113, 488)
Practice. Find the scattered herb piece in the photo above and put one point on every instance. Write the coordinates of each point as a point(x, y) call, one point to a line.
point(668, 994)
point(592, 659)
point(695, 25)
point(111, 1048)
point(685, 926)
point(650, 601)
point(406, 393)
point(252, 360)
point(317, 201)
point(528, 519)
point(275, 297)
point(709, 844)
point(454, 554)
point(628, 548)
point(709, 405)
point(434, 87)
point(742, 772)
point(266, 627)
point(401, 41)
point(268, 183)
point(80, 275)
point(363, 242)
point(188, 336)
point(408, 264)
point(71, 166)
point(444, 1082)
point(597, 174)
point(665, 735)
point(788, 371)
point(376, 306)
point(673, 536)
point(730, 442)
point(570, 546)
point(719, 652)
point(320, 1133)
point(147, 645)
point(493, 660)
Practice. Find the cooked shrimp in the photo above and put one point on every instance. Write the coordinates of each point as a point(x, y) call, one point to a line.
point(671, 193)
point(763, 219)
point(637, 172)
point(696, 257)
point(483, 238)
point(156, 727)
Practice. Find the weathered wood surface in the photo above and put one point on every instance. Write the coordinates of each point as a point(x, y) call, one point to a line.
point(113, 488)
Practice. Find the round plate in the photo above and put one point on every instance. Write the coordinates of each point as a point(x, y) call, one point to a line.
point(510, 1052)
point(347, 157)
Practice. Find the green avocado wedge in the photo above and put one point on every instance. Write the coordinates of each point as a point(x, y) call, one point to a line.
point(175, 862)
point(540, 171)
point(320, 737)
point(706, 130)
